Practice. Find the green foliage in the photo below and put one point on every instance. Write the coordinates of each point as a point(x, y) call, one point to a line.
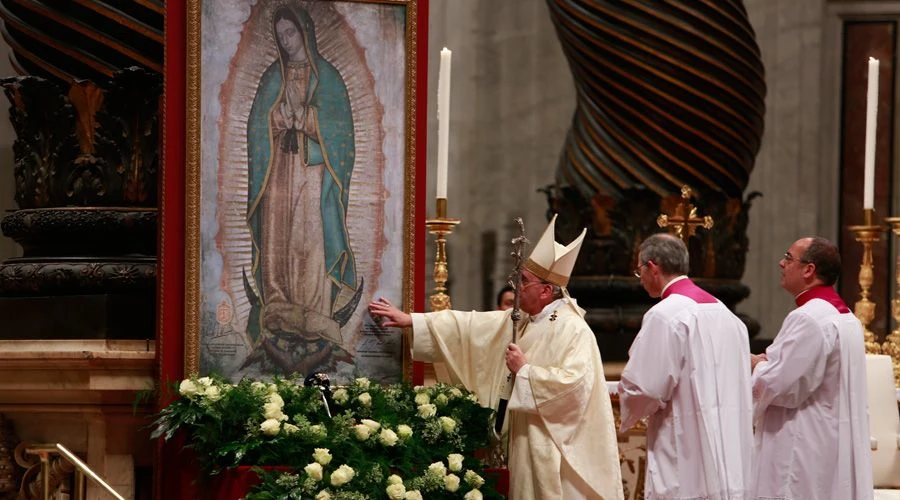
point(391, 441)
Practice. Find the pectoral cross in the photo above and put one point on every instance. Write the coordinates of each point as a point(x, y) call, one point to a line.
point(684, 222)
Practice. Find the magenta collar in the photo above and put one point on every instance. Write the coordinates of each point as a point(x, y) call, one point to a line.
point(687, 288)
point(825, 293)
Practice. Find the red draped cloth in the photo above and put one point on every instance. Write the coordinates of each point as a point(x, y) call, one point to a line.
point(234, 483)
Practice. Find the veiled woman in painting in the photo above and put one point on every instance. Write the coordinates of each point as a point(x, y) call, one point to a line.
point(301, 152)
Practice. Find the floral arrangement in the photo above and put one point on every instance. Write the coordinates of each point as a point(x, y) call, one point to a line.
point(364, 440)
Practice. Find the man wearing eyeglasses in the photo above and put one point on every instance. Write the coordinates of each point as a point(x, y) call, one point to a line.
point(689, 372)
point(560, 426)
point(809, 389)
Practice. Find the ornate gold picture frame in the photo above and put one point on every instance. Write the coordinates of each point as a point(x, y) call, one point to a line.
point(304, 126)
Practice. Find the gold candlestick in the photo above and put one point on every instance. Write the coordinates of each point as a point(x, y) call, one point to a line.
point(864, 308)
point(891, 345)
point(440, 226)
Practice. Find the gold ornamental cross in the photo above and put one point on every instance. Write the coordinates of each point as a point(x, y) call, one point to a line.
point(685, 221)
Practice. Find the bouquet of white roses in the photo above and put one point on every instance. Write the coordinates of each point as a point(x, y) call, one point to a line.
point(364, 440)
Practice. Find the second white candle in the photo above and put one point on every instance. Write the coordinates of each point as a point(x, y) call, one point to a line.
point(443, 111)
point(871, 126)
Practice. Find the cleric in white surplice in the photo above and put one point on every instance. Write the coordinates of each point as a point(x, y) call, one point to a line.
point(689, 372)
point(809, 389)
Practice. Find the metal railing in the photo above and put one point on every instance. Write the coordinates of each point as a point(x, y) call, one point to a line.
point(81, 470)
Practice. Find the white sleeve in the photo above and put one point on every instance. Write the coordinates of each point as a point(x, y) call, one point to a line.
point(522, 398)
point(795, 366)
point(422, 345)
point(651, 374)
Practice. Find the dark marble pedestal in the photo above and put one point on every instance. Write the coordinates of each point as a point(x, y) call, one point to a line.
point(100, 316)
point(86, 273)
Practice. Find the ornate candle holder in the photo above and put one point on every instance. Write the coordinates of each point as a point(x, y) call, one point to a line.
point(864, 309)
point(440, 226)
point(891, 345)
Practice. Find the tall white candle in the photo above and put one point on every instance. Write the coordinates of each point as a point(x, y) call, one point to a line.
point(443, 123)
point(871, 125)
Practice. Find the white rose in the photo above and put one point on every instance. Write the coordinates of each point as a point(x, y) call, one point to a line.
point(394, 479)
point(323, 495)
point(272, 389)
point(363, 382)
point(388, 437)
point(270, 427)
point(448, 424)
point(362, 432)
point(455, 392)
point(365, 399)
point(318, 431)
point(205, 381)
point(413, 495)
point(422, 398)
point(322, 456)
point(290, 429)
point(404, 431)
point(454, 462)
point(275, 399)
point(437, 469)
point(428, 410)
point(371, 424)
point(396, 491)
point(420, 388)
point(272, 410)
point(473, 479)
point(451, 482)
point(340, 396)
point(188, 388)
point(472, 397)
point(473, 495)
point(441, 400)
point(314, 470)
point(212, 393)
point(258, 386)
point(342, 475)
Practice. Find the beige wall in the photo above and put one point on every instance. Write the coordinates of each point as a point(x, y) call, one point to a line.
point(789, 170)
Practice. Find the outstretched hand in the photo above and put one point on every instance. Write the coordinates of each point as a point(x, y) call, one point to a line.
point(386, 314)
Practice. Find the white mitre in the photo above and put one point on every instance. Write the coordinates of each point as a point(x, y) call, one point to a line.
point(551, 261)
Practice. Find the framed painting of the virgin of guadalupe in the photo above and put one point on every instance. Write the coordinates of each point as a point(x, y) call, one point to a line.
point(302, 154)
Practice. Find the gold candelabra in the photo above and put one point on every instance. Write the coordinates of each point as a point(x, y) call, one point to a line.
point(440, 226)
point(864, 308)
point(891, 345)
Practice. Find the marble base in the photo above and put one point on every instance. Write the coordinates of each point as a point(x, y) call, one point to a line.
point(83, 394)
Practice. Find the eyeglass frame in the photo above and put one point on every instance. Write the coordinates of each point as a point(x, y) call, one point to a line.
point(787, 257)
point(637, 271)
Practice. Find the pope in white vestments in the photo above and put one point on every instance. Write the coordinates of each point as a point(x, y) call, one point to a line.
point(809, 389)
point(561, 432)
point(689, 372)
